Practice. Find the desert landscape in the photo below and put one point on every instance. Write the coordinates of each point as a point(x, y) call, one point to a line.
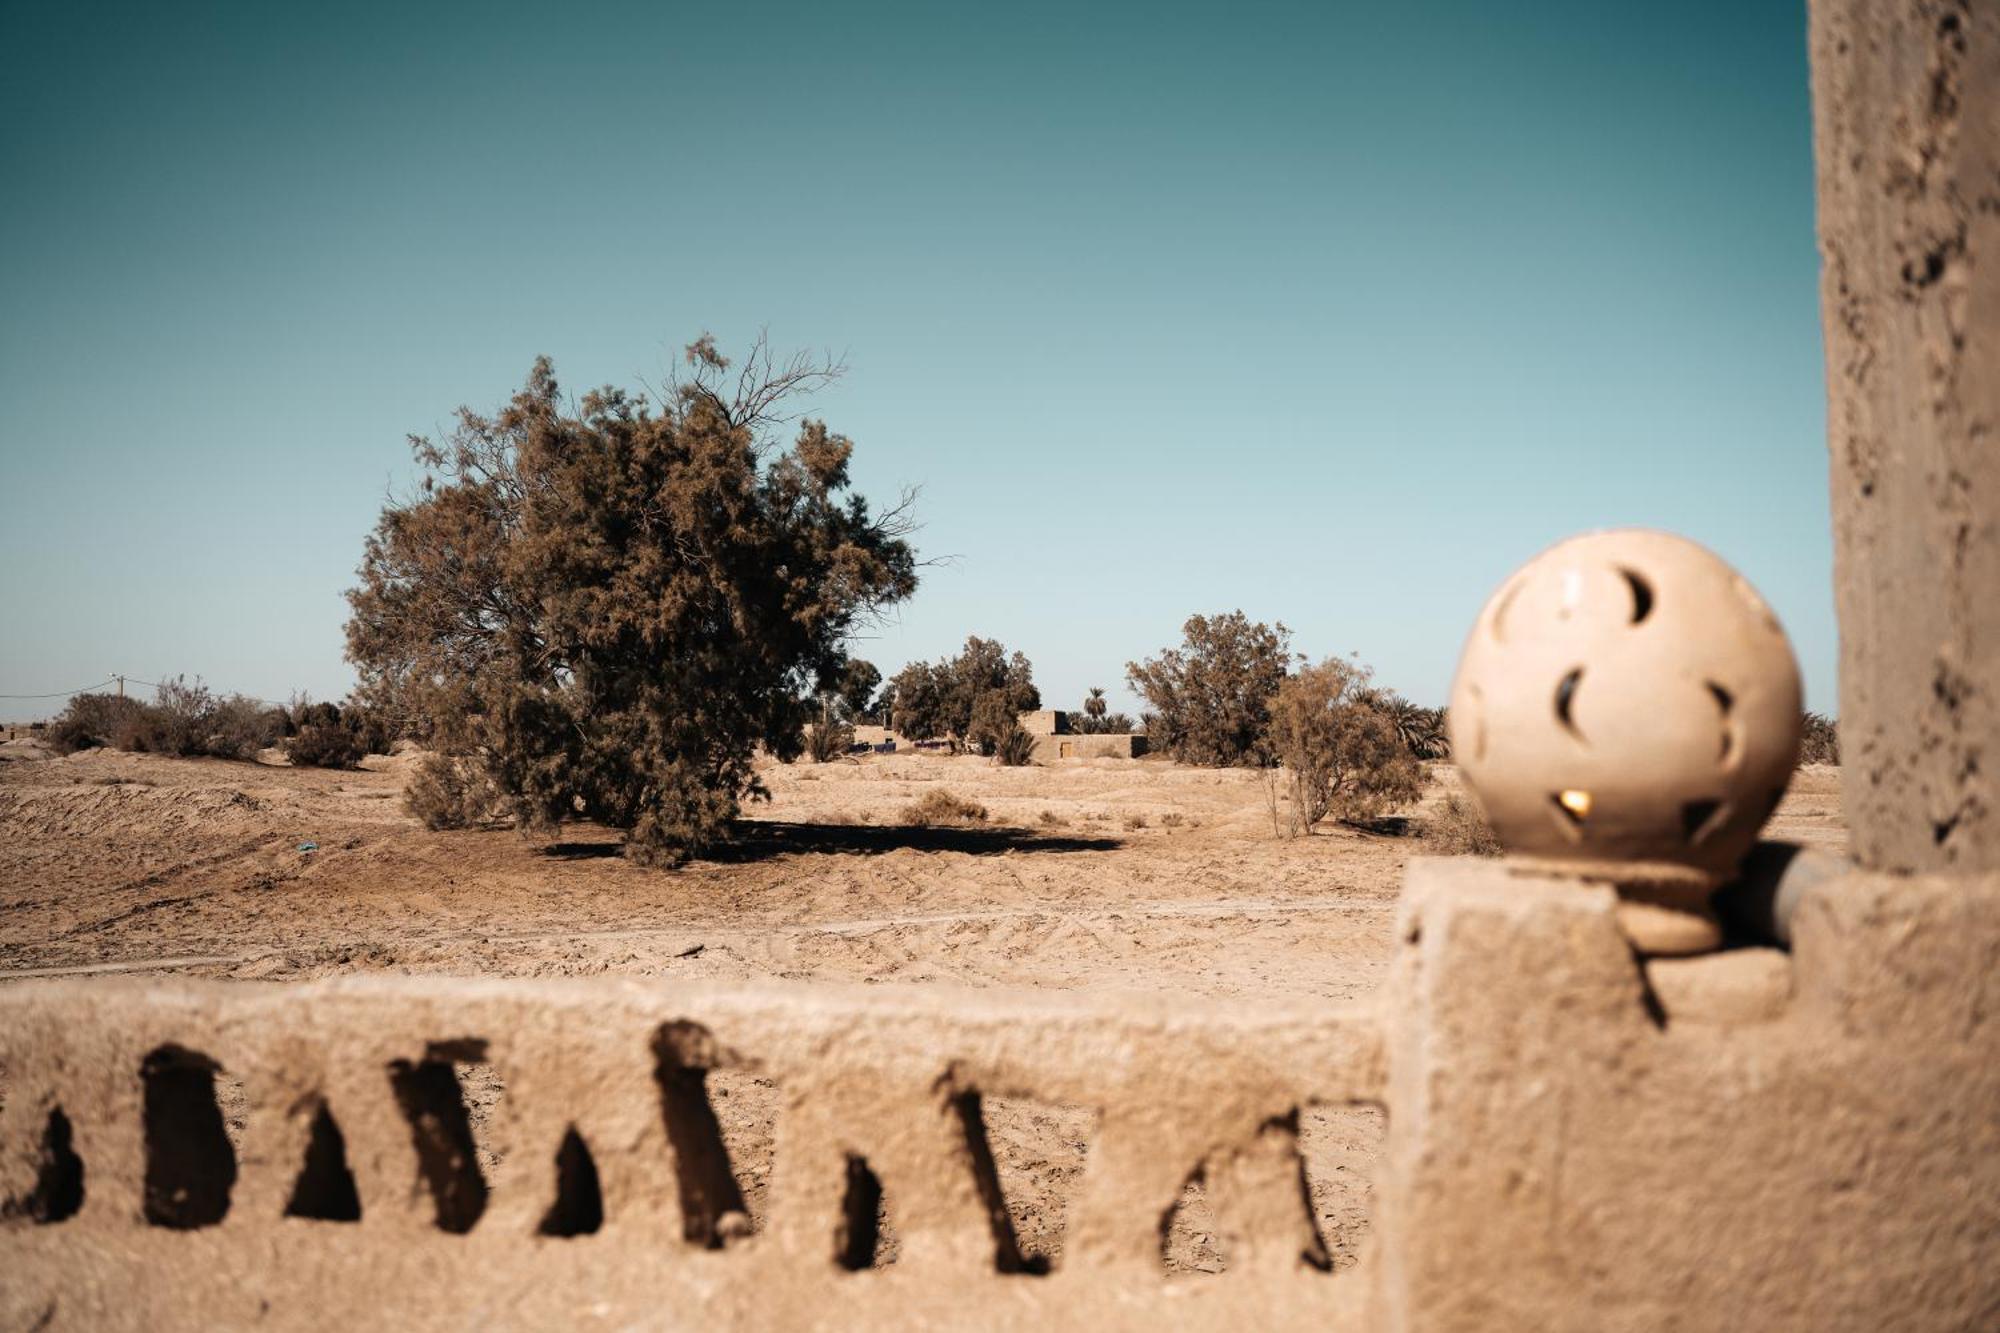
point(956, 667)
point(1129, 875)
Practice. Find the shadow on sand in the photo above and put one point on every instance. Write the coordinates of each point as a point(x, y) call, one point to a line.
point(762, 839)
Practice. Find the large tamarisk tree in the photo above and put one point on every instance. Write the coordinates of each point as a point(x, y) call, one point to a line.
point(602, 609)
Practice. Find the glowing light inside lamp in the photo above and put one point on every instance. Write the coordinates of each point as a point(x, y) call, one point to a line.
point(1576, 802)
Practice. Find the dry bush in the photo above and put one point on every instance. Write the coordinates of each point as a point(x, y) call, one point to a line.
point(1052, 819)
point(238, 728)
point(183, 720)
point(90, 721)
point(1340, 749)
point(1820, 743)
point(178, 720)
point(448, 791)
point(1014, 747)
point(323, 745)
point(334, 735)
point(1133, 823)
point(1459, 829)
point(942, 807)
point(1171, 819)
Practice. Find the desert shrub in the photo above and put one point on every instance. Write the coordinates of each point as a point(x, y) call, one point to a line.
point(324, 735)
point(1459, 829)
point(1339, 748)
point(89, 721)
point(942, 807)
point(323, 745)
point(453, 791)
point(969, 699)
point(1014, 747)
point(1172, 819)
point(1133, 823)
point(615, 603)
point(1211, 696)
point(1820, 743)
point(238, 728)
point(178, 721)
point(1051, 819)
point(183, 719)
point(374, 730)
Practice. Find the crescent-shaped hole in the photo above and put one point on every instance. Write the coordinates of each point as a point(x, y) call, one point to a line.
point(1571, 809)
point(1566, 700)
point(1725, 701)
point(1699, 819)
point(1642, 594)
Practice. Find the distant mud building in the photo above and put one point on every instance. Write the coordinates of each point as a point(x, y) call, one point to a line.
point(1054, 739)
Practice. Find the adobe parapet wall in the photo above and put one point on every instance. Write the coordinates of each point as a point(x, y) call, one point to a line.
point(1756, 1139)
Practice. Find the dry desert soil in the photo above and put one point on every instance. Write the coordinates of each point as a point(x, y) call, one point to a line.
point(1086, 874)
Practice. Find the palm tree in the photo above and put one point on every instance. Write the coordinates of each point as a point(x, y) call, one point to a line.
point(1420, 729)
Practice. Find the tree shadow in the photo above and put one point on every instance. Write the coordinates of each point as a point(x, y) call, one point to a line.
point(1385, 826)
point(767, 839)
point(760, 840)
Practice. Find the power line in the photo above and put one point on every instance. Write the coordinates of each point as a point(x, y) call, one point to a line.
point(121, 680)
point(63, 694)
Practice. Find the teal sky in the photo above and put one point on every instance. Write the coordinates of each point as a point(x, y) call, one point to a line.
point(1332, 312)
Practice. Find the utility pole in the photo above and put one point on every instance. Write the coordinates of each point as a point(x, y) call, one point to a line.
point(121, 686)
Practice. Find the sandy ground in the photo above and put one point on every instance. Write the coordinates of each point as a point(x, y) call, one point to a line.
point(1087, 874)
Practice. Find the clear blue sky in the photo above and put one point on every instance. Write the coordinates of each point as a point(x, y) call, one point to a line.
point(1333, 312)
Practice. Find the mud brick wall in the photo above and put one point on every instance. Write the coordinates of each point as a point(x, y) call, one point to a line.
point(1781, 1140)
point(354, 1181)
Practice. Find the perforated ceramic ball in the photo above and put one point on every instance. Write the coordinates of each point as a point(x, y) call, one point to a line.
point(1627, 708)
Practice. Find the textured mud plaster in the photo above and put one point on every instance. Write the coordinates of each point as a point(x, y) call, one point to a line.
point(1806, 1140)
point(1906, 116)
point(1827, 1158)
point(353, 1194)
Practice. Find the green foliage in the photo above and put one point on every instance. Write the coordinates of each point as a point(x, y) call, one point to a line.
point(856, 688)
point(1820, 742)
point(1014, 746)
point(1421, 730)
point(1339, 747)
point(829, 738)
point(609, 605)
point(1096, 719)
point(1211, 696)
point(969, 699)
